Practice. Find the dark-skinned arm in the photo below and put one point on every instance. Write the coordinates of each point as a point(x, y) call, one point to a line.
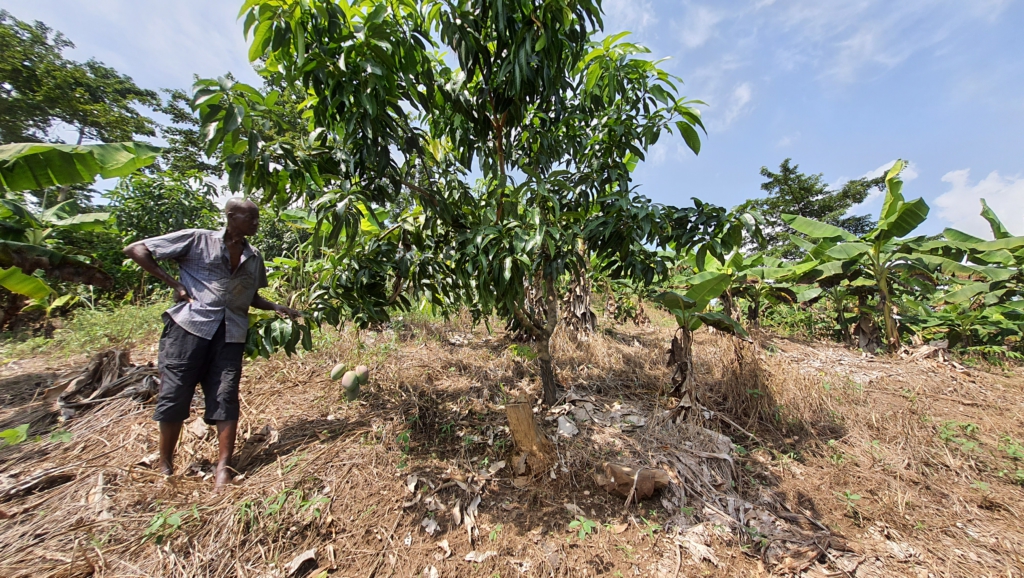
point(260, 303)
point(139, 253)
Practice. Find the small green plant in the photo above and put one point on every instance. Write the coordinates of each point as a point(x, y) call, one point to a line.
point(522, 352)
point(15, 436)
point(166, 523)
point(447, 428)
point(687, 511)
point(62, 436)
point(583, 526)
point(496, 532)
point(650, 528)
point(850, 500)
point(837, 457)
point(1013, 449)
point(626, 549)
point(950, 431)
point(980, 486)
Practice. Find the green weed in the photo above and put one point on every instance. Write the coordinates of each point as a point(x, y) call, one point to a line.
point(583, 526)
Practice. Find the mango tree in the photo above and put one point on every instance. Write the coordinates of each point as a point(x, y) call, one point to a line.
point(553, 122)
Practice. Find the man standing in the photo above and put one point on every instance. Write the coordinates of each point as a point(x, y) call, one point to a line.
point(204, 333)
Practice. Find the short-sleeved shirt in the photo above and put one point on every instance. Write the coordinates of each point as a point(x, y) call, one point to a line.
point(205, 271)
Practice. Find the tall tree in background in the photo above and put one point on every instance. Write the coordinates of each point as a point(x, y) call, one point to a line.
point(793, 192)
point(185, 150)
point(40, 89)
point(45, 96)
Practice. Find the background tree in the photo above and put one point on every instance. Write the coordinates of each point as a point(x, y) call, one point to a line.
point(793, 192)
point(185, 150)
point(42, 89)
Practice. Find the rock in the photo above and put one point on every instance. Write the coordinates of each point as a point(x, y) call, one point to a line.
point(621, 480)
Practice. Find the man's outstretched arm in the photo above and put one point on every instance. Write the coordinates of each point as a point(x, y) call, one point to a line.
point(260, 303)
point(140, 253)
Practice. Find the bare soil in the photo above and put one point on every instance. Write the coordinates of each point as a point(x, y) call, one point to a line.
point(906, 467)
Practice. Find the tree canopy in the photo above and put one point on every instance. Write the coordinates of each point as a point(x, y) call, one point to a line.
point(42, 89)
point(793, 192)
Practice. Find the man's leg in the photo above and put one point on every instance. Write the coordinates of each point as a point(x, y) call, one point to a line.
point(226, 432)
point(181, 354)
point(169, 432)
point(220, 386)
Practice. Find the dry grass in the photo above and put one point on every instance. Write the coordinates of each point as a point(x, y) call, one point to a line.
point(323, 474)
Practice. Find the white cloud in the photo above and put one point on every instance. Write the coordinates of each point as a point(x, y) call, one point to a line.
point(961, 205)
point(632, 15)
point(160, 44)
point(738, 105)
point(909, 173)
point(787, 140)
point(698, 26)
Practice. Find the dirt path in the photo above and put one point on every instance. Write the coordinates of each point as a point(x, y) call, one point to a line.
point(905, 468)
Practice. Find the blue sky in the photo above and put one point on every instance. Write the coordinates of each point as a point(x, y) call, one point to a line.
point(842, 87)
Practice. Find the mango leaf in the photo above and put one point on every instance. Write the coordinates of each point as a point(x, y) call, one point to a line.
point(847, 251)
point(723, 322)
point(998, 230)
point(817, 229)
point(35, 166)
point(17, 282)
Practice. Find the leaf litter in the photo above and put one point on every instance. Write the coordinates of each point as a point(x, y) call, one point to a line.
point(334, 479)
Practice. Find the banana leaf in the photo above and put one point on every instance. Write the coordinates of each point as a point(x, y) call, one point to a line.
point(17, 282)
point(35, 166)
point(817, 229)
point(998, 230)
point(722, 322)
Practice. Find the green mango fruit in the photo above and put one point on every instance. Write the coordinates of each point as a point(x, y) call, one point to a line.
point(351, 393)
point(363, 374)
point(350, 382)
point(338, 371)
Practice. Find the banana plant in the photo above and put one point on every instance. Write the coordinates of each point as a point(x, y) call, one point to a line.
point(690, 311)
point(879, 254)
point(998, 265)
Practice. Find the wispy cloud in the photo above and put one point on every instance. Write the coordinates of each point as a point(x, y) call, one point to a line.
point(632, 15)
point(961, 206)
point(698, 25)
point(158, 43)
point(738, 105)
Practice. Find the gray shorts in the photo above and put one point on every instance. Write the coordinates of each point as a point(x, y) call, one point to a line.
point(186, 360)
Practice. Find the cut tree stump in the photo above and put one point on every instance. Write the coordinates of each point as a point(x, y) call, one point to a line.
point(529, 439)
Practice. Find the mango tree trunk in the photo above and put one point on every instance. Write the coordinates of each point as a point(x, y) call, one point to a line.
point(535, 452)
point(542, 328)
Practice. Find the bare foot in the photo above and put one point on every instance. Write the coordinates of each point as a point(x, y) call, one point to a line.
point(222, 478)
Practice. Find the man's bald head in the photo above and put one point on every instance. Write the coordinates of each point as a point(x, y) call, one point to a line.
point(236, 204)
point(243, 216)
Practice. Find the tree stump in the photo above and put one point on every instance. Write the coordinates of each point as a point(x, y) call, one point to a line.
point(530, 441)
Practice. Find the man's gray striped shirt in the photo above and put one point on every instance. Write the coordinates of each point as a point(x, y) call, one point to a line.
point(205, 271)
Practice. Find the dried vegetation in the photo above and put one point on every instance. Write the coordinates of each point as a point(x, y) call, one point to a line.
point(838, 465)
